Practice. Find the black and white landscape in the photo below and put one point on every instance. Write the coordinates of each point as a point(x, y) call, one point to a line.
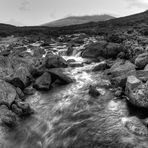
point(77, 82)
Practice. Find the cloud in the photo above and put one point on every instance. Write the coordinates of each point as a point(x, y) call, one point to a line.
point(138, 3)
point(24, 6)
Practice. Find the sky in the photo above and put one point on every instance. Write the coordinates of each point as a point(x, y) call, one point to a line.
point(37, 12)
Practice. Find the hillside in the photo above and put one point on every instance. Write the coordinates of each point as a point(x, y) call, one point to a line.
point(74, 20)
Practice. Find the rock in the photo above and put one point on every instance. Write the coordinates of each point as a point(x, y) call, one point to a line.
point(7, 118)
point(75, 64)
point(69, 51)
point(132, 82)
point(118, 92)
point(137, 92)
point(58, 73)
point(43, 82)
point(94, 50)
point(21, 78)
point(7, 92)
point(141, 61)
point(55, 61)
point(20, 93)
point(112, 50)
point(101, 66)
point(21, 108)
point(146, 68)
point(121, 55)
point(29, 91)
point(93, 91)
point(121, 67)
point(135, 126)
point(71, 60)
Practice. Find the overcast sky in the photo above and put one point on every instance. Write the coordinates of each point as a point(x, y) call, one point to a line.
point(36, 12)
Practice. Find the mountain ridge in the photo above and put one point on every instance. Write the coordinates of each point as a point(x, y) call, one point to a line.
point(76, 20)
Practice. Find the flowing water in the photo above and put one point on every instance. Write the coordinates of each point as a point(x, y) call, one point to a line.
point(62, 114)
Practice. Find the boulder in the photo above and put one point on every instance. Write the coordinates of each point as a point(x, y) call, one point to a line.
point(7, 92)
point(55, 61)
point(101, 66)
point(7, 118)
point(135, 126)
point(146, 68)
point(137, 92)
point(58, 73)
point(29, 90)
point(94, 50)
point(69, 51)
point(112, 50)
point(93, 91)
point(43, 82)
point(21, 108)
point(121, 67)
point(20, 78)
point(141, 61)
point(103, 49)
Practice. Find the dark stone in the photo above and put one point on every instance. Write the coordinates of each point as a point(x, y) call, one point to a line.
point(55, 61)
point(58, 73)
point(101, 66)
point(43, 82)
point(93, 91)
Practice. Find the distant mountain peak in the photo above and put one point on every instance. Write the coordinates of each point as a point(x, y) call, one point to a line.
point(75, 20)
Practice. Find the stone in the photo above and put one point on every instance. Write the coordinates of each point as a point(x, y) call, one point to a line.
point(146, 68)
point(137, 92)
point(101, 66)
point(121, 67)
point(94, 50)
point(93, 91)
point(75, 64)
point(58, 73)
point(135, 126)
point(7, 92)
point(21, 108)
point(29, 91)
point(7, 118)
point(55, 61)
point(142, 60)
point(43, 82)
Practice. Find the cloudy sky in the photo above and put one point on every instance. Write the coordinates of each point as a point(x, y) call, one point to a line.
point(36, 12)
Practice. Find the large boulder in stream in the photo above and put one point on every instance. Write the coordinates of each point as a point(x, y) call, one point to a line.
point(59, 74)
point(43, 82)
point(7, 93)
point(142, 60)
point(102, 48)
point(55, 61)
point(137, 92)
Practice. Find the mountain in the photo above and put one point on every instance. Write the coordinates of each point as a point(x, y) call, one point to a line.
point(74, 20)
point(137, 22)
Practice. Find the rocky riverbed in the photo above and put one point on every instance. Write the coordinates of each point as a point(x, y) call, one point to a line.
point(72, 92)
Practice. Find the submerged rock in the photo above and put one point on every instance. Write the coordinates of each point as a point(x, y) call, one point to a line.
point(43, 82)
